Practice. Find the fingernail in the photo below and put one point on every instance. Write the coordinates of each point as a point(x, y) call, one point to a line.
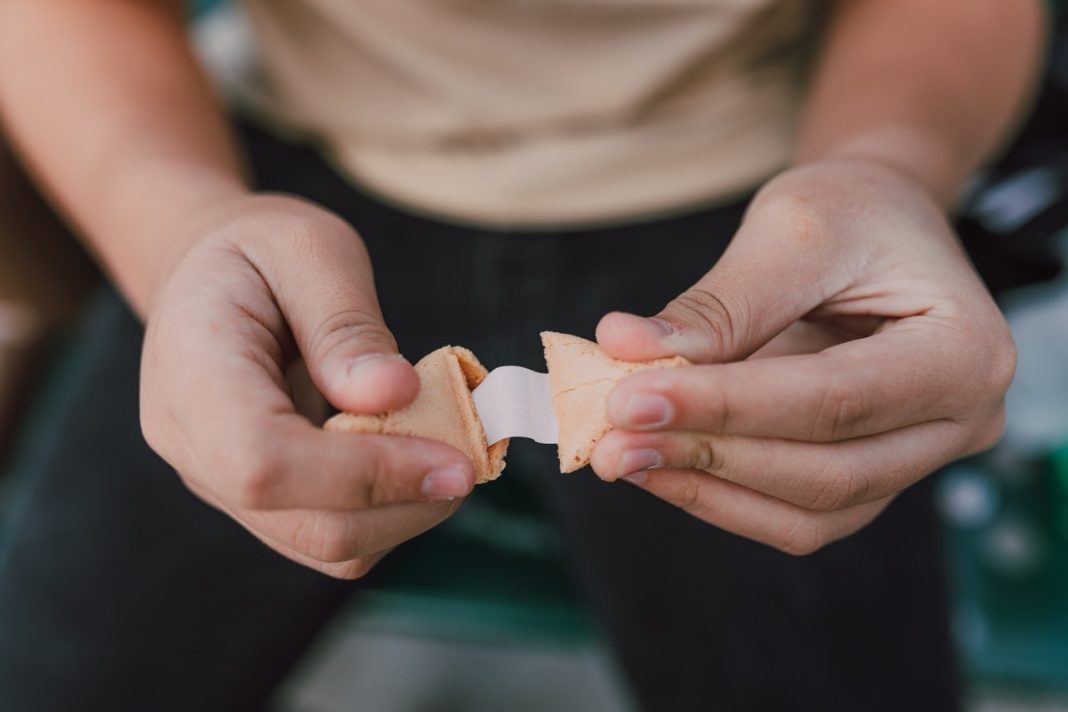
point(662, 327)
point(634, 463)
point(447, 483)
point(636, 478)
point(646, 410)
point(365, 360)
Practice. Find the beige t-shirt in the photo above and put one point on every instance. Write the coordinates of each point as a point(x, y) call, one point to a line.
point(539, 112)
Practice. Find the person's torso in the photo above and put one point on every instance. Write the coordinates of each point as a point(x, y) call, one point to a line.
point(539, 111)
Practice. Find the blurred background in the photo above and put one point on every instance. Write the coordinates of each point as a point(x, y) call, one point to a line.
point(501, 626)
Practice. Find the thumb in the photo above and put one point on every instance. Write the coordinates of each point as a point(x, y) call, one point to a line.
point(756, 290)
point(327, 296)
point(354, 363)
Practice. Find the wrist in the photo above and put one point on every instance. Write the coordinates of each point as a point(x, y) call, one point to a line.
point(930, 162)
point(156, 220)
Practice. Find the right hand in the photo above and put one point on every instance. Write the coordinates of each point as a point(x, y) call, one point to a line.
point(273, 279)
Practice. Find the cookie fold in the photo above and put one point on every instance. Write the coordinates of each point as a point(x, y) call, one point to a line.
point(581, 375)
point(444, 410)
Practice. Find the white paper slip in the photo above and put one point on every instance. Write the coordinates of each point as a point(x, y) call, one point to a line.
point(514, 402)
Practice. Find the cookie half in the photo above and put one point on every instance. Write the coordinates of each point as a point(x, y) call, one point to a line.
point(444, 411)
point(581, 375)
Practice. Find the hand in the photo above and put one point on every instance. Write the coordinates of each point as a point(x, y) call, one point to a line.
point(273, 279)
point(847, 348)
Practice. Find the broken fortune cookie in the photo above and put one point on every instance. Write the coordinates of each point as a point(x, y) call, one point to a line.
point(581, 375)
point(443, 411)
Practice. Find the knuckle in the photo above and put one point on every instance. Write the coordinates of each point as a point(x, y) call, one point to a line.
point(705, 456)
point(718, 315)
point(349, 570)
point(311, 231)
point(687, 494)
point(158, 426)
point(803, 537)
point(375, 485)
point(843, 408)
point(253, 483)
point(324, 537)
point(989, 434)
point(839, 485)
point(297, 223)
point(253, 475)
point(1002, 366)
point(792, 214)
point(152, 433)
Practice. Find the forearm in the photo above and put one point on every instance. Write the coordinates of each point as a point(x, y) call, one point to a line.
point(929, 88)
point(110, 110)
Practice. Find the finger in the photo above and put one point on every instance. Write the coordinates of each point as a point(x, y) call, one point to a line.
point(907, 374)
point(340, 544)
point(346, 570)
point(349, 569)
point(779, 266)
point(246, 444)
point(334, 537)
point(818, 476)
point(757, 516)
point(328, 299)
point(286, 463)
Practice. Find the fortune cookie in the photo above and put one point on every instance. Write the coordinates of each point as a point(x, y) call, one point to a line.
point(444, 411)
point(581, 375)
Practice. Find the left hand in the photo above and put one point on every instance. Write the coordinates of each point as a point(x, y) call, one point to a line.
point(846, 348)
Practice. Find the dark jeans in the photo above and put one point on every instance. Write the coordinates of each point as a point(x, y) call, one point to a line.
point(119, 590)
